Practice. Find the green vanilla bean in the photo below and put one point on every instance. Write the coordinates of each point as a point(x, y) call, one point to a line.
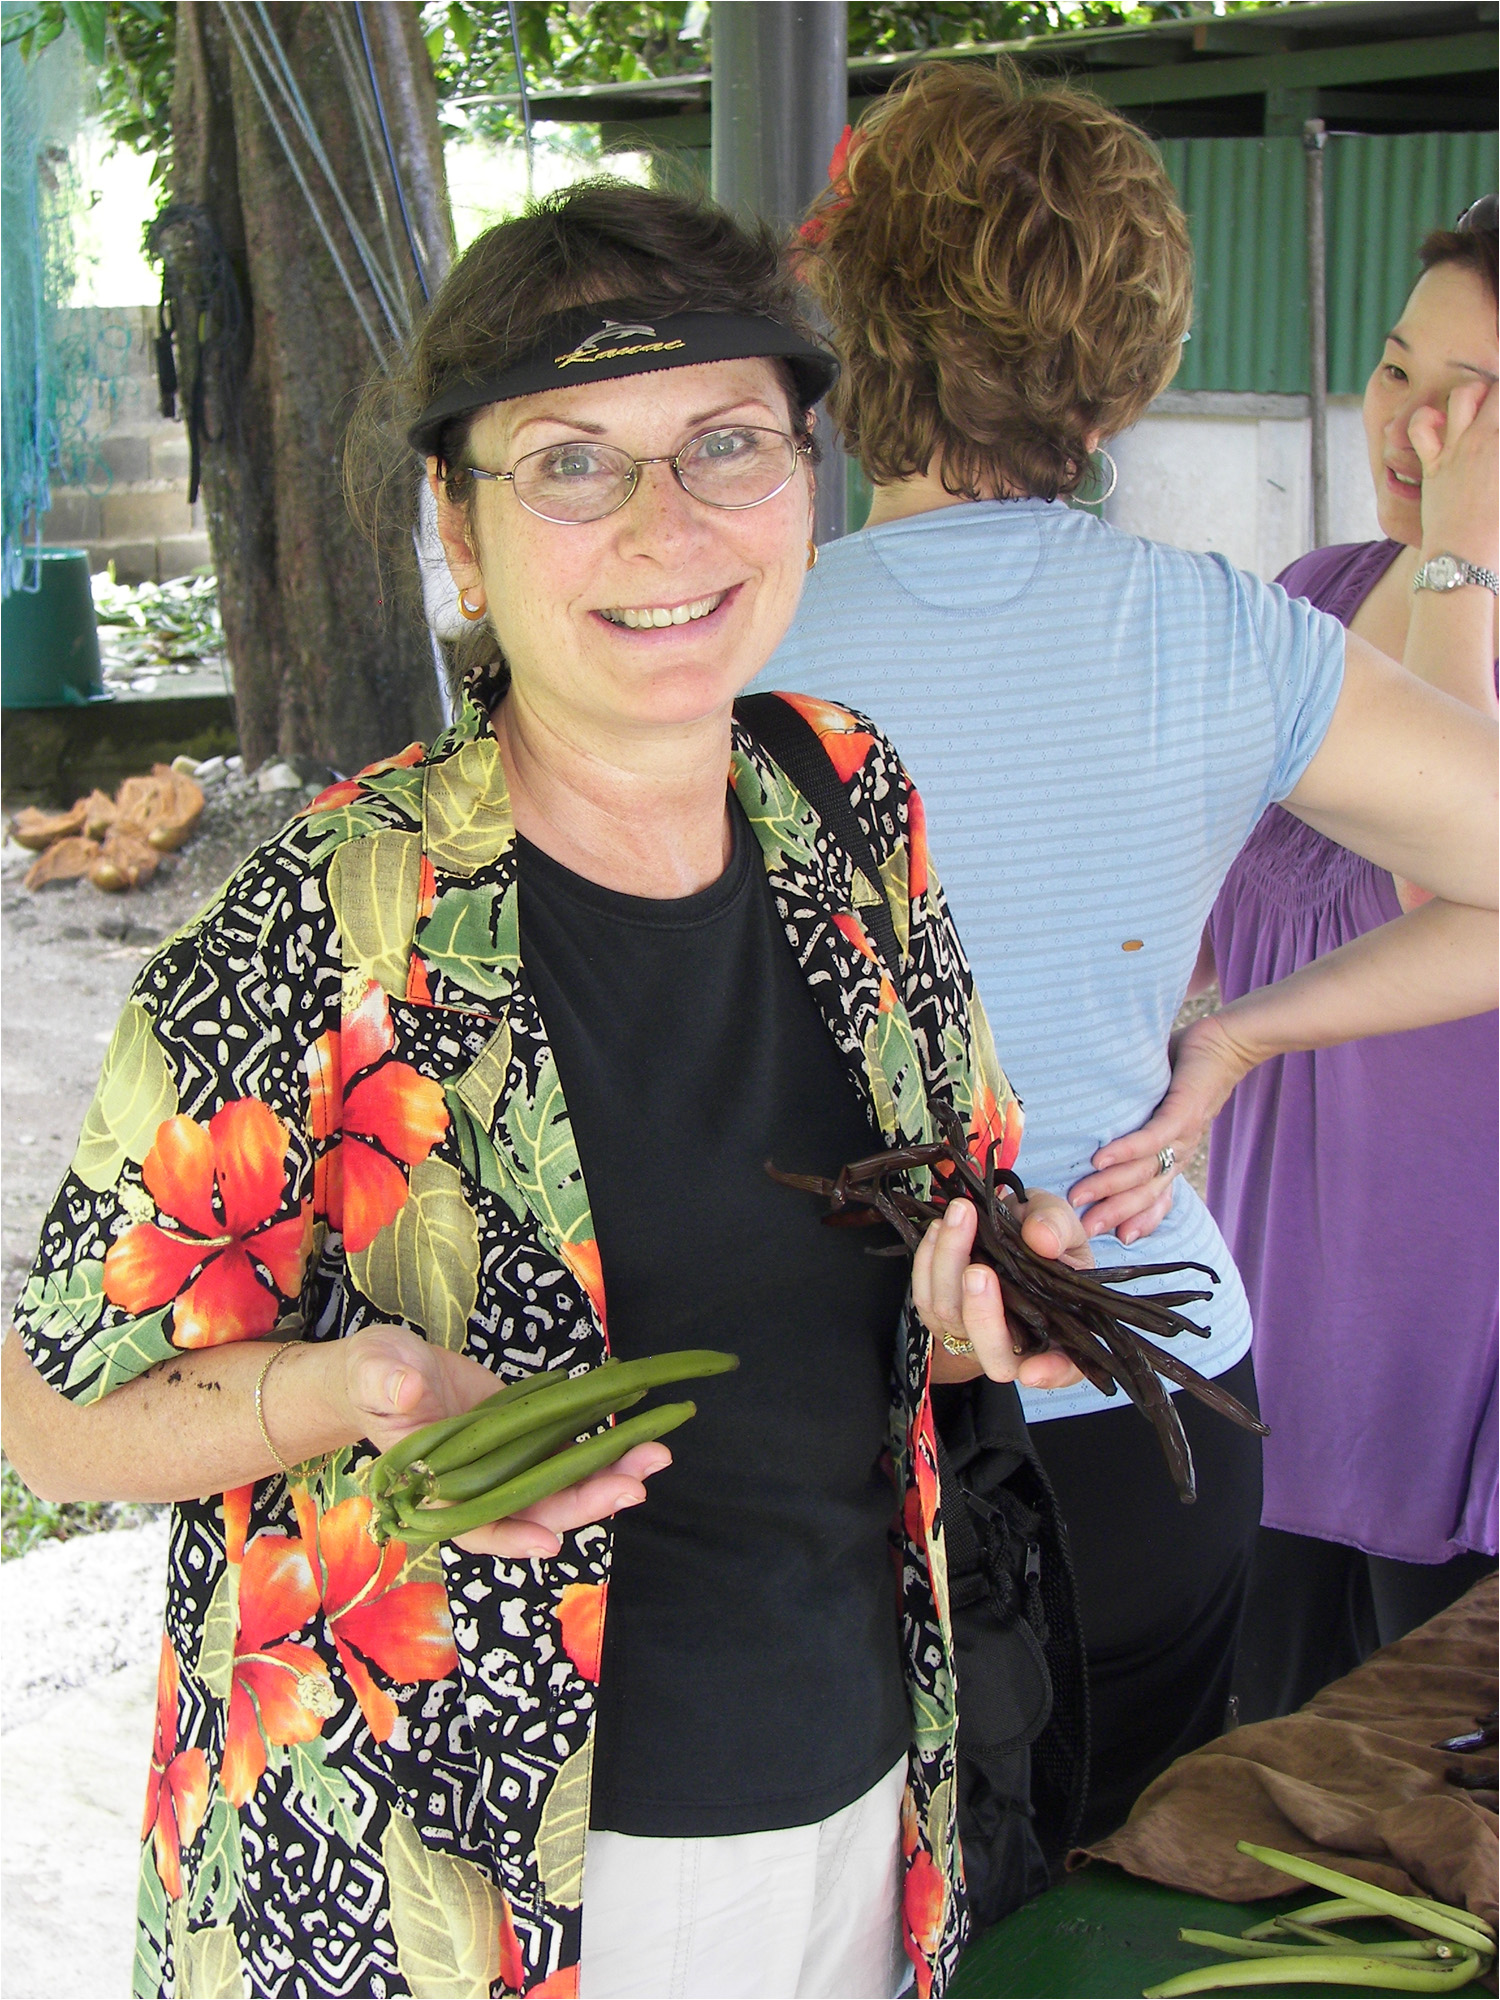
point(1408, 1948)
point(498, 1426)
point(1457, 1926)
point(1322, 1968)
point(483, 1475)
point(417, 1443)
point(1429, 1947)
point(437, 1524)
point(479, 1475)
point(1343, 1909)
point(1218, 1941)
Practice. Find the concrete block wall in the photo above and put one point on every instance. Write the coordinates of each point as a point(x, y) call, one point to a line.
point(134, 512)
point(1232, 473)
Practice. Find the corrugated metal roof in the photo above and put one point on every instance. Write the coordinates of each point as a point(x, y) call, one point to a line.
point(1245, 205)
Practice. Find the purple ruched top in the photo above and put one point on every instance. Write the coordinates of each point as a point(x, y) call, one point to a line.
point(1356, 1187)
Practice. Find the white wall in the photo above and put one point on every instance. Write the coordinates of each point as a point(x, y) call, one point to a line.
point(1231, 472)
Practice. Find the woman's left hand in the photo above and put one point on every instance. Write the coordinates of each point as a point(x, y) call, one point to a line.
point(962, 1300)
point(1128, 1193)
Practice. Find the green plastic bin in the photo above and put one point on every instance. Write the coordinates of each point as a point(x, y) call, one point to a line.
point(49, 643)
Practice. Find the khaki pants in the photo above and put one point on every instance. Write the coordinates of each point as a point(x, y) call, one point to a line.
point(806, 1910)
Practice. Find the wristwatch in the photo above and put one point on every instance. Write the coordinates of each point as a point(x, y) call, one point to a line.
point(1448, 572)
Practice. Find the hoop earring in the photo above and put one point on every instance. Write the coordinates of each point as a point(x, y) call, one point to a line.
point(464, 610)
point(812, 553)
point(1114, 478)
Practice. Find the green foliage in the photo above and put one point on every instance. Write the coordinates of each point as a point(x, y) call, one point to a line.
point(628, 41)
point(26, 1522)
point(588, 41)
point(132, 45)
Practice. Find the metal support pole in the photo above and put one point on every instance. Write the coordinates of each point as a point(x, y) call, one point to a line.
point(780, 101)
point(1314, 140)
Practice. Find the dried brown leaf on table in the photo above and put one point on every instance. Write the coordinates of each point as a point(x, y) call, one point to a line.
point(126, 859)
point(63, 861)
point(37, 829)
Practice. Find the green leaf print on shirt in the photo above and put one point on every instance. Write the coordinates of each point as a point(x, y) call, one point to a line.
point(374, 886)
point(135, 1094)
point(785, 824)
point(219, 1876)
point(545, 1156)
point(65, 1302)
point(470, 941)
point(446, 1916)
point(424, 1266)
point(118, 1355)
point(466, 817)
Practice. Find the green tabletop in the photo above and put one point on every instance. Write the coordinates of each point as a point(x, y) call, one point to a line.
point(1104, 1933)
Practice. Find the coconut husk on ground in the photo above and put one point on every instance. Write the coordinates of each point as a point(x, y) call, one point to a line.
point(64, 861)
point(117, 842)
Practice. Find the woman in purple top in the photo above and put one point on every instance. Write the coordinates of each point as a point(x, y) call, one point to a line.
point(1375, 1338)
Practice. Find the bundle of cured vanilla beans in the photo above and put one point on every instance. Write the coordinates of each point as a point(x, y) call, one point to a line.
point(1048, 1305)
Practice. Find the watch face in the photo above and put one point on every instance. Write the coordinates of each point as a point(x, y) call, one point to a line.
point(1443, 572)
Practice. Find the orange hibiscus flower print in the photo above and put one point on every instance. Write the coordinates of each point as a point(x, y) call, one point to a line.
point(560, 1985)
point(177, 1790)
point(376, 1116)
point(994, 1124)
point(918, 865)
point(845, 744)
point(344, 791)
point(280, 1693)
point(222, 1184)
point(405, 1628)
point(580, 1612)
point(922, 1916)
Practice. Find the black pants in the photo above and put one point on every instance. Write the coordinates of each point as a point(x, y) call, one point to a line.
point(1160, 1586)
point(1315, 1609)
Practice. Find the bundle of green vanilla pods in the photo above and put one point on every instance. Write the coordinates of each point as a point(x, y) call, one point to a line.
point(521, 1445)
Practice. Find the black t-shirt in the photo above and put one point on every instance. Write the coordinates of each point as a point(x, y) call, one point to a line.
point(751, 1675)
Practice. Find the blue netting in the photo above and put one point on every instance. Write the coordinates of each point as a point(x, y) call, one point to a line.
point(38, 194)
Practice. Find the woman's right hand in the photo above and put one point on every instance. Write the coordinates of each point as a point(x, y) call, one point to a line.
point(1457, 450)
point(395, 1383)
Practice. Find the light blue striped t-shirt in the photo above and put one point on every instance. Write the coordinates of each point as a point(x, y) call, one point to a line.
point(1095, 723)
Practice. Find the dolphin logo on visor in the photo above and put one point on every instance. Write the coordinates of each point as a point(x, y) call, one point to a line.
point(613, 332)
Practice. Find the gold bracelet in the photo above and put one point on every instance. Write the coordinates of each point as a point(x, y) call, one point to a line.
point(282, 1347)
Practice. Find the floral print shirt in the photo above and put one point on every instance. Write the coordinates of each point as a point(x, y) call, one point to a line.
point(330, 1101)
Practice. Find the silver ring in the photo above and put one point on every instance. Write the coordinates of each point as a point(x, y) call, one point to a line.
point(962, 1348)
point(1166, 1159)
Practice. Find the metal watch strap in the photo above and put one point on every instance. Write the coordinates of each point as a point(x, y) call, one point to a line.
point(1463, 572)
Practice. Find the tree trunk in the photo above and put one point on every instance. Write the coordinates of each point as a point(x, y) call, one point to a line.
point(272, 354)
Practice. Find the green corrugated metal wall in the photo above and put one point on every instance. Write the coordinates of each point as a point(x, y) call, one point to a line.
point(1244, 201)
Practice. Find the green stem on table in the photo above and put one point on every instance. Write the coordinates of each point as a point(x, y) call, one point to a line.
point(1322, 1968)
point(1342, 1909)
point(1456, 1925)
point(1406, 1948)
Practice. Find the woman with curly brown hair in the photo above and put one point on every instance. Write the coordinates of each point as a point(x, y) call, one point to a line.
point(1096, 723)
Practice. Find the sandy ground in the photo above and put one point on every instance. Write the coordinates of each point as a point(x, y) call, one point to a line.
point(82, 1625)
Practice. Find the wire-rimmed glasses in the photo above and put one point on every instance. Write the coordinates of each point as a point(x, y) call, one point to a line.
point(582, 480)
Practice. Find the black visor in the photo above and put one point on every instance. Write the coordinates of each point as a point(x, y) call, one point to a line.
point(598, 343)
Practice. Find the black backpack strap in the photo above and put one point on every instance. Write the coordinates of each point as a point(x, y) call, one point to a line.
point(794, 744)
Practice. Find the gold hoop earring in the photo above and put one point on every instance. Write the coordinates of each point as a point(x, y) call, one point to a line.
point(812, 553)
point(464, 608)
